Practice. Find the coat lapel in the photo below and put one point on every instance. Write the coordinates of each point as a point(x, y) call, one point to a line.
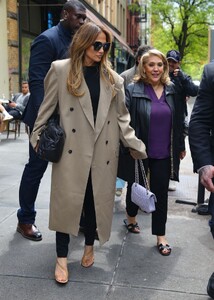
point(106, 94)
point(85, 102)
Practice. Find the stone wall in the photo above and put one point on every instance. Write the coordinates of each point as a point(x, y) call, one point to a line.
point(13, 46)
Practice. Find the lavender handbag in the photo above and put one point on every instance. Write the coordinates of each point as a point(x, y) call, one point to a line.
point(140, 195)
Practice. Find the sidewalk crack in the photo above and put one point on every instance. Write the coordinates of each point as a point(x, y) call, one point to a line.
point(116, 267)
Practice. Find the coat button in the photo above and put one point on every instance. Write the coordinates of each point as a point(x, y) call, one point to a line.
point(69, 151)
point(73, 130)
point(106, 142)
point(71, 108)
point(108, 162)
point(108, 122)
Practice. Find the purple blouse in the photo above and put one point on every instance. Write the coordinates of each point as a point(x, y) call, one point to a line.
point(159, 139)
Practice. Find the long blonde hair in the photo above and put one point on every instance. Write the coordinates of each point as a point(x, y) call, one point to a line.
point(84, 38)
point(141, 76)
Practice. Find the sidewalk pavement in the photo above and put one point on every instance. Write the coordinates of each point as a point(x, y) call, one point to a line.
point(127, 267)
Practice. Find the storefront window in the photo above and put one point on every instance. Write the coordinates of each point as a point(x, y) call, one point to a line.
point(121, 59)
point(26, 43)
point(35, 17)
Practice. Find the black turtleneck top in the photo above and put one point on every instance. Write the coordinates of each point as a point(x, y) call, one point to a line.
point(92, 78)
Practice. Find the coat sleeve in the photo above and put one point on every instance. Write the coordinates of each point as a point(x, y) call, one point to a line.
point(48, 105)
point(127, 133)
point(201, 121)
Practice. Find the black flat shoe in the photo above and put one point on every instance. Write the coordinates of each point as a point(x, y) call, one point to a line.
point(162, 248)
point(133, 228)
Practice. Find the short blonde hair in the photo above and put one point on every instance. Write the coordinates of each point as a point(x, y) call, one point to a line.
point(141, 76)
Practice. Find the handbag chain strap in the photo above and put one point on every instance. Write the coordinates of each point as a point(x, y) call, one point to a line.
point(143, 173)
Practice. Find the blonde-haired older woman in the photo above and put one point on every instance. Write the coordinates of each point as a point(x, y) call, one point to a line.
point(93, 113)
point(151, 100)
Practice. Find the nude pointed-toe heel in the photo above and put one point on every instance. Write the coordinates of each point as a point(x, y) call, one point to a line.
point(87, 260)
point(61, 270)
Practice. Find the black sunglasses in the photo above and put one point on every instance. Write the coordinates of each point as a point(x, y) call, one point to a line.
point(99, 45)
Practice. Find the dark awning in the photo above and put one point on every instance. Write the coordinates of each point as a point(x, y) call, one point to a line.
point(96, 20)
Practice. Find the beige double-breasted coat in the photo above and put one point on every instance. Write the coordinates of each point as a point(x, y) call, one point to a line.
point(88, 146)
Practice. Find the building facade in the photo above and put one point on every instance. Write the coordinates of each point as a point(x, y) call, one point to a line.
point(9, 58)
point(22, 20)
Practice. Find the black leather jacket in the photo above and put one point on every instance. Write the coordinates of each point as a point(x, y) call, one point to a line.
point(139, 106)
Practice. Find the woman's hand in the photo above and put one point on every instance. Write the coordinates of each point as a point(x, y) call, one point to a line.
point(206, 174)
point(135, 154)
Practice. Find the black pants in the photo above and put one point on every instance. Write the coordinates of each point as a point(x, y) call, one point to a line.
point(62, 239)
point(159, 173)
point(29, 186)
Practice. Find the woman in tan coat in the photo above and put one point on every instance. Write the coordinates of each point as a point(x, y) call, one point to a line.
point(93, 114)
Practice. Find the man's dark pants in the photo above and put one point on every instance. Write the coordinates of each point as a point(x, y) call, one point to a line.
point(31, 177)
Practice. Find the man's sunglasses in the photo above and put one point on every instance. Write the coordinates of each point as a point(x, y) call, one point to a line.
point(99, 45)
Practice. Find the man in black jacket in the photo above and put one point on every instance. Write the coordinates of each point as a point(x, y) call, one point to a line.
point(184, 88)
point(201, 139)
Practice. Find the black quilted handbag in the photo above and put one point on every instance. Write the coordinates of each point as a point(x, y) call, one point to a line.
point(52, 140)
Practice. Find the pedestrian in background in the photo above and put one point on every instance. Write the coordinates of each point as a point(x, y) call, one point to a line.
point(17, 104)
point(151, 101)
point(92, 110)
point(201, 140)
point(129, 74)
point(50, 45)
point(184, 87)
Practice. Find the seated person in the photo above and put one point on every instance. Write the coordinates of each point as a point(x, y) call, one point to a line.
point(16, 107)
